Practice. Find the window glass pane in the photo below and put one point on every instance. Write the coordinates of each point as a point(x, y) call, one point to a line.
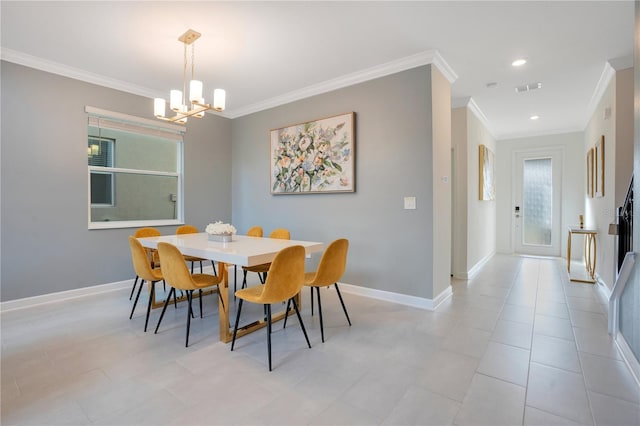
point(101, 188)
point(100, 151)
point(537, 201)
point(138, 151)
point(139, 197)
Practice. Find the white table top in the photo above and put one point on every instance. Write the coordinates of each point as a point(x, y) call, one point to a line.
point(243, 250)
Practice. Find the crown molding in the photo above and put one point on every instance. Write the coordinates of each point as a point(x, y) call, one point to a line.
point(469, 103)
point(423, 58)
point(388, 68)
point(605, 78)
point(35, 62)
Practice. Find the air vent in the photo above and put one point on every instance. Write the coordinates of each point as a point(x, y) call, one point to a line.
point(528, 87)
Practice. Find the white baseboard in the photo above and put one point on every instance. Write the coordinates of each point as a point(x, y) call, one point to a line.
point(476, 268)
point(402, 299)
point(387, 296)
point(61, 296)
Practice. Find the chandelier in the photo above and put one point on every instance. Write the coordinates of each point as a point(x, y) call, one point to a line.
point(195, 106)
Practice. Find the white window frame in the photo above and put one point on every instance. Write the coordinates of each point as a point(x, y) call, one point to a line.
point(153, 127)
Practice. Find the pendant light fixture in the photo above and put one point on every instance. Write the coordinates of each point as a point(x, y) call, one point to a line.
point(195, 105)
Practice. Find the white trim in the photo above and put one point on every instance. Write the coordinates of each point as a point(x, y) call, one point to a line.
point(61, 296)
point(469, 103)
point(126, 118)
point(479, 265)
point(392, 67)
point(41, 64)
point(402, 299)
point(605, 78)
point(628, 357)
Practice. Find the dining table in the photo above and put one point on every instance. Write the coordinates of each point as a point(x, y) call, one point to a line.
point(242, 250)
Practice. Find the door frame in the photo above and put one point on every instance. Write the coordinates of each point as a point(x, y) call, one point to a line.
point(542, 152)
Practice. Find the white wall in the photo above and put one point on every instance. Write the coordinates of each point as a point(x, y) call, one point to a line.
point(573, 182)
point(617, 129)
point(474, 228)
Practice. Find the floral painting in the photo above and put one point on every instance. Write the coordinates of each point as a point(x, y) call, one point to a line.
point(313, 157)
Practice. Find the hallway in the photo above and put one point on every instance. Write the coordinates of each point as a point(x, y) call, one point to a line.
point(517, 344)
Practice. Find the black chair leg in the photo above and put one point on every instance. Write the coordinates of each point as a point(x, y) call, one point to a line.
point(137, 297)
point(268, 307)
point(235, 327)
point(175, 297)
point(153, 289)
point(344, 308)
point(135, 283)
point(221, 300)
point(304, 330)
point(200, 297)
point(320, 314)
point(311, 300)
point(244, 279)
point(213, 265)
point(201, 266)
point(189, 314)
point(286, 313)
point(192, 268)
point(164, 308)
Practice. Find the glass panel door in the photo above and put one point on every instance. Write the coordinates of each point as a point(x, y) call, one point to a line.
point(537, 201)
point(537, 187)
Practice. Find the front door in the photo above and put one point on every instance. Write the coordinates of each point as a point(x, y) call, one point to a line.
point(536, 202)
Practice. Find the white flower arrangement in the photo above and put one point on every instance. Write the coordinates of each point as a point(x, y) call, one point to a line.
point(220, 228)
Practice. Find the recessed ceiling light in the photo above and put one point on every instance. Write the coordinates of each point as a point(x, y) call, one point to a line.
point(534, 117)
point(518, 62)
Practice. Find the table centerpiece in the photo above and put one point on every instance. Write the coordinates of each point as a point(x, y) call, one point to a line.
point(220, 232)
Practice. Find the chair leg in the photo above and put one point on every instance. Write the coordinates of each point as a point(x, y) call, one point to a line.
point(235, 327)
point(221, 300)
point(175, 297)
point(304, 330)
point(137, 296)
point(268, 307)
point(213, 265)
point(320, 314)
point(135, 283)
point(200, 297)
point(344, 308)
point(192, 267)
point(311, 300)
point(244, 279)
point(189, 314)
point(164, 308)
point(201, 266)
point(153, 289)
point(286, 313)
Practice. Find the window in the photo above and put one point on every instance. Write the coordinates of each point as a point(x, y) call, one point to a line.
point(100, 153)
point(134, 171)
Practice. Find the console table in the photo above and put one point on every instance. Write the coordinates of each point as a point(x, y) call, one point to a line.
point(590, 252)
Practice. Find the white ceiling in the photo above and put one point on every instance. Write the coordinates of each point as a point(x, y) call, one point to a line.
point(266, 53)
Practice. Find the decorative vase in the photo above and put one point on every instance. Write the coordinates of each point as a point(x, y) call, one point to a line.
point(221, 238)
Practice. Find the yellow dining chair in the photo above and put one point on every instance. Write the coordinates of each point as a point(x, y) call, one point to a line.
point(254, 231)
point(177, 275)
point(261, 270)
point(145, 272)
point(330, 270)
point(284, 281)
point(152, 254)
point(190, 229)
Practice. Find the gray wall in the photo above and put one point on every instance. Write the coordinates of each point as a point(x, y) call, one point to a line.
point(391, 248)
point(45, 244)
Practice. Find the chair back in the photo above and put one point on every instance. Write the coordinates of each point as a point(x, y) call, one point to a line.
point(281, 234)
point(146, 232)
point(255, 231)
point(174, 268)
point(333, 263)
point(187, 229)
point(286, 275)
point(141, 264)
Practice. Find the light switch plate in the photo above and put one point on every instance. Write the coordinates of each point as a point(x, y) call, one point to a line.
point(409, 203)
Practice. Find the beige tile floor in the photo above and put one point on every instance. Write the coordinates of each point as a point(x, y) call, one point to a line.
point(516, 345)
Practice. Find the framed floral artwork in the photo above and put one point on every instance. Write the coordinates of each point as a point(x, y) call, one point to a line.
point(314, 157)
point(487, 186)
